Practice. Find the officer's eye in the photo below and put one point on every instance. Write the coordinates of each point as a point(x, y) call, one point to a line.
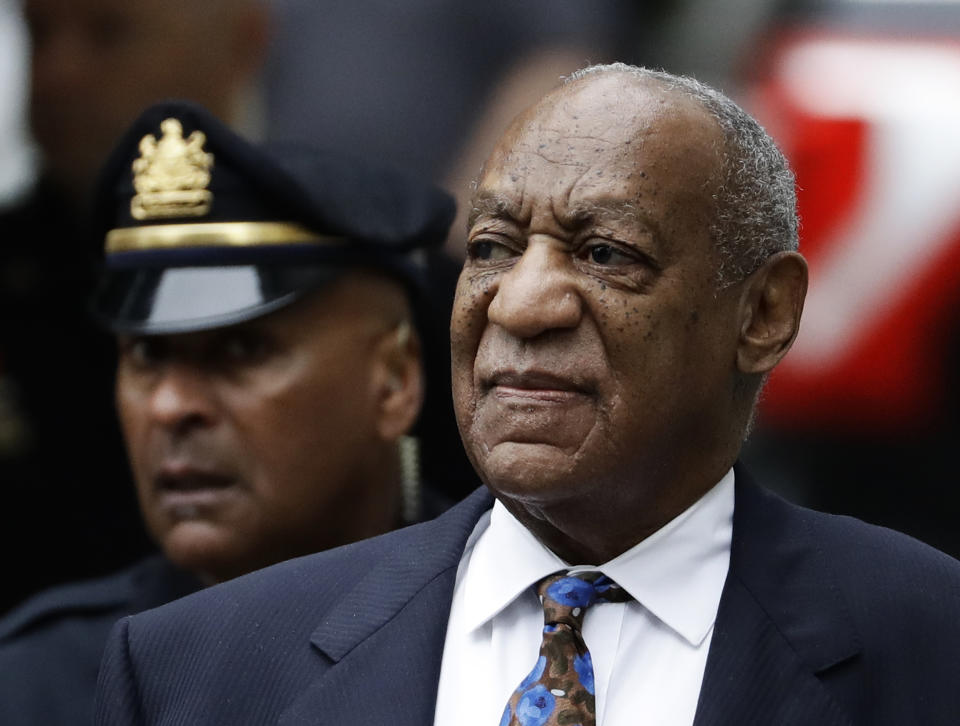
point(142, 351)
point(247, 346)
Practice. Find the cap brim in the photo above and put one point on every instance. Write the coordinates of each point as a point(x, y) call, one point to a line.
point(186, 299)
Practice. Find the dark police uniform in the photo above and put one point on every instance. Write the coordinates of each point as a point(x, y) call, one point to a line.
point(203, 230)
point(50, 646)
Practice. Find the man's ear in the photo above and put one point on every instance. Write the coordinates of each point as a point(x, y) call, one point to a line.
point(770, 306)
point(398, 381)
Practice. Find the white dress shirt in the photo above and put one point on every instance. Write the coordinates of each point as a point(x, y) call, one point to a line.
point(648, 654)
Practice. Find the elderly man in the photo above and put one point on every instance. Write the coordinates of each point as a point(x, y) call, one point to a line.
point(267, 306)
point(630, 280)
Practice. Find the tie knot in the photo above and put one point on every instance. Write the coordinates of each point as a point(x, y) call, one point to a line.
point(566, 597)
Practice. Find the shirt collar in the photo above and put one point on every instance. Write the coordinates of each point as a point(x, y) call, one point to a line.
point(677, 573)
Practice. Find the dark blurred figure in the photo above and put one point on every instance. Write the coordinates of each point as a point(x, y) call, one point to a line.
point(267, 303)
point(97, 63)
point(68, 508)
point(405, 82)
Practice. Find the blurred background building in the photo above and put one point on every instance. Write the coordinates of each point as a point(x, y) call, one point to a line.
point(863, 95)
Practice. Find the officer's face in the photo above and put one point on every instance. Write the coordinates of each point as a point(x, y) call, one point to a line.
point(263, 441)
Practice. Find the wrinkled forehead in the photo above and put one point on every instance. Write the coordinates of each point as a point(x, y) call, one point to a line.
point(610, 134)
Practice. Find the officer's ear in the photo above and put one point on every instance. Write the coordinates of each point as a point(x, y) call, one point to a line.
point(398, 381)
point(770, 305)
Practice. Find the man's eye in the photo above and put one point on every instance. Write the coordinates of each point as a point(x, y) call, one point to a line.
point(488, 250)
point(602, 254)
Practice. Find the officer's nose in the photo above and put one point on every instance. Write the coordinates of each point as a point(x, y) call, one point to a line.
point(538, 293)
point(182, 398)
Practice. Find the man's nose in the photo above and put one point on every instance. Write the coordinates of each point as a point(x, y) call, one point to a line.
point(182, 398)
point(538, 294)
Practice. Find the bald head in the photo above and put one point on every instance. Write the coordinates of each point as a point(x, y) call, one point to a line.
point(97, 63)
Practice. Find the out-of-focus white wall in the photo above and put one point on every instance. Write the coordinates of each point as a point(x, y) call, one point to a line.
point(17, 155)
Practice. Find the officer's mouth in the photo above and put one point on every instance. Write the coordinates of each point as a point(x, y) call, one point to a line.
point(187, 492)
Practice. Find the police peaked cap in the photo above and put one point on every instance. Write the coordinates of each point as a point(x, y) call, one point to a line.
point(203, 229)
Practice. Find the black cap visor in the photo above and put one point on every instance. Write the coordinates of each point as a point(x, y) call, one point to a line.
point(155, 301)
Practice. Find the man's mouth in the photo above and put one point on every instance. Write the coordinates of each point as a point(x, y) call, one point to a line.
point(543, 406)
point(536, 385)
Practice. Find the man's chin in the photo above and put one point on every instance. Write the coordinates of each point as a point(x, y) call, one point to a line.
point(531, 472)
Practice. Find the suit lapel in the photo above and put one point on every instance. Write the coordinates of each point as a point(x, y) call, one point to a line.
point(781, 622)
point(380, 647)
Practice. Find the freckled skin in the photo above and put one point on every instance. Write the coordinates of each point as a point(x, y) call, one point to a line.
point(594, 359)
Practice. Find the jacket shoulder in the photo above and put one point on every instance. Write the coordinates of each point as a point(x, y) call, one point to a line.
point(878, 576)
point(884, 570)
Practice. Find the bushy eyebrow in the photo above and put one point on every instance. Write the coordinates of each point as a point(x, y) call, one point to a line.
point(502, 207)
point(492, 205)
point(589, 212)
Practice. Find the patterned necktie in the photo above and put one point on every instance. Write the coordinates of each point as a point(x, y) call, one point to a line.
point(559, 689)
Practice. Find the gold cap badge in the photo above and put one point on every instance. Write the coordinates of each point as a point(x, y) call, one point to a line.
point(172, 174)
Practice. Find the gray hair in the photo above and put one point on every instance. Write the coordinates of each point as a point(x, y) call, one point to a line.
point(756, 203)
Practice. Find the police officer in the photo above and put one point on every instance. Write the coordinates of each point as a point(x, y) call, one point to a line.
point(268, 304)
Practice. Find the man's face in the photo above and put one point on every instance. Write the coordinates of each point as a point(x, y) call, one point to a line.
point(593, 355)
point(251, 443)
point(97, 63)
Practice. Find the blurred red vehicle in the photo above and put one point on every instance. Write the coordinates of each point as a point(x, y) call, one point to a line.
point(872, 127)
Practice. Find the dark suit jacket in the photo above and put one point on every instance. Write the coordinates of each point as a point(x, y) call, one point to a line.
point(51, 646)
point(823, 621)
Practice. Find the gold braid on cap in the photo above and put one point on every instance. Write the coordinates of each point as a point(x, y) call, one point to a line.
point(213, 234)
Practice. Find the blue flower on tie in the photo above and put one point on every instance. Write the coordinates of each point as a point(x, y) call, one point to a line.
point(535, 706)
point(534, 674)
point(583, 665)
point(571, 592)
